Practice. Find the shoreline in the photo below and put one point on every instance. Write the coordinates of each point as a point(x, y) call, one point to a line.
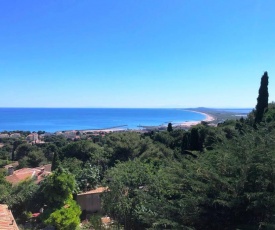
point(188, 124)
point(123, 128)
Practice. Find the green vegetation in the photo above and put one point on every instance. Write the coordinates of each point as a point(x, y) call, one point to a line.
point(204, 178)
point(62, 211)
point(169, 127)
point(262, 99)
point(66, 217)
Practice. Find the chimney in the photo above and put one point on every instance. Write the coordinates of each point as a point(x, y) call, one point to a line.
point(41, 171)
point(10, 170)
point(34, 176)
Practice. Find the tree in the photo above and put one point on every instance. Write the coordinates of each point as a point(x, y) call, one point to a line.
point(5, 187)
point(197, 137)
point(128, 183)
point(22, 198)
point(140, 196)
point(81, 150)
point(50, 150)
point(60, 183)
point(16, 143)
point(72, 165)
point(123, 146)
point(62, 211)
point(55, 161)
point(87, 177)
point(65, 218)
point(262, 100)
point(34, 159)
point(169, 127)
point(23, 150)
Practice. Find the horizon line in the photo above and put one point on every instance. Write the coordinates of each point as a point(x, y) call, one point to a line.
point(199, 107)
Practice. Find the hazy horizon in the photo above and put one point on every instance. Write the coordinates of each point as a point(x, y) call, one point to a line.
point(199, 107)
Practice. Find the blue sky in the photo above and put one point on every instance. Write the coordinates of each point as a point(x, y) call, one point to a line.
point(129, 53)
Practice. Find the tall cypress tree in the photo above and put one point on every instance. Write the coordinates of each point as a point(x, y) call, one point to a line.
point(169, 127)
point(55, 161)
point(262, 100)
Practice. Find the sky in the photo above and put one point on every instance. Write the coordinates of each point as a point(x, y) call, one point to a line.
point(135, 54)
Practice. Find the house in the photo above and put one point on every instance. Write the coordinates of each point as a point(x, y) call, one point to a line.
point(70, 134)
point(37, 174)
point(7, 221)
point(42, 136)
point(15, 135)
point(4, 135)
point(32, 137)
point(90, 201)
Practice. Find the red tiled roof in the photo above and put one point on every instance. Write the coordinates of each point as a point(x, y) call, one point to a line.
point(47, 168)
point(94, 191)
point(7, 221)
point(27, 173)
point(36, 214)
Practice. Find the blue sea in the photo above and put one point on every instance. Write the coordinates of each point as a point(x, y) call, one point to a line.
point(52, 119)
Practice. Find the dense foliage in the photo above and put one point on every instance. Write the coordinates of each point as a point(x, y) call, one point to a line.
point(61, 210)
point(226, 186)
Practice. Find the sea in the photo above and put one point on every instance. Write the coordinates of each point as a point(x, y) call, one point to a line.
point(61, 119)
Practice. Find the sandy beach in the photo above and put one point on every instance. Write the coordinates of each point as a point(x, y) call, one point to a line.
point(188, 124)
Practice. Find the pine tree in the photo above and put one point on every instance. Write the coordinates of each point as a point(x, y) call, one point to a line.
point(262, 100)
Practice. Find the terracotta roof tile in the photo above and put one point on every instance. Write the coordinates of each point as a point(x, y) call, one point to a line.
point(7, 221)
point(47, 167)
point(94, 191)
point(27, 173)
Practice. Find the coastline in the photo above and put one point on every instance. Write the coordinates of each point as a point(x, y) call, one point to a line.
point(93, 119)
point(212, 116)
point(188, 124)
